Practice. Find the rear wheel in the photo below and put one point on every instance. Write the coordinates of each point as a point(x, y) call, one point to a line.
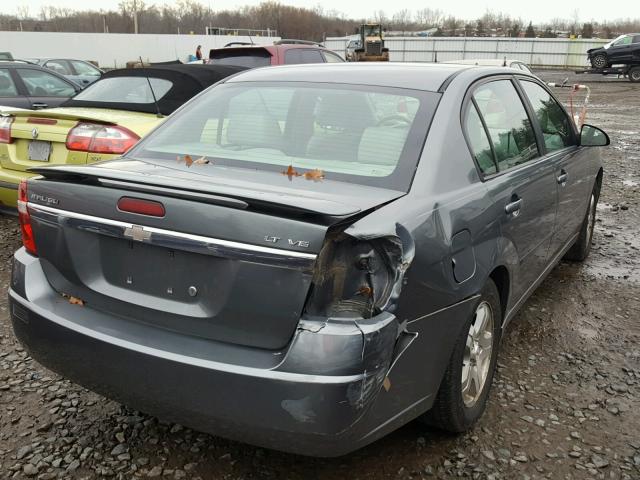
point(599, 61)
point(464, 390)
point(634, 74)
point(580, 250)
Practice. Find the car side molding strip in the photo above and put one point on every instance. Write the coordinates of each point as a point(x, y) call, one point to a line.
point(174, 240)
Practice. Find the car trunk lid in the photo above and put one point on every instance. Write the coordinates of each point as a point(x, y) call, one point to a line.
point(234, 268)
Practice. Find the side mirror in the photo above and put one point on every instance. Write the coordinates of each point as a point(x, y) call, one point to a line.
point(591, 136)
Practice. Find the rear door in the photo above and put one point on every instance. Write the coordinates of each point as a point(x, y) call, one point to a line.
point(10, 93)
point(635, 48)
point(44, 89)
point(521, 181)
point(560, 140)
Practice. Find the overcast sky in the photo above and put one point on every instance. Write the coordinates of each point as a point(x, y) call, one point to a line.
point(535, 10)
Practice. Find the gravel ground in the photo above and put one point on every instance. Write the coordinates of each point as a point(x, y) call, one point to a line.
point(564, 403)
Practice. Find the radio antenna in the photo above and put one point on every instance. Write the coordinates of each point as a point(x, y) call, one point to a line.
point(153, 94)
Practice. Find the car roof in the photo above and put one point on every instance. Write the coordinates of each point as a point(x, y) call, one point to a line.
point(22, 63)
point(493, 62)
point(269, 48)
point(416, 76)
point(187, 81)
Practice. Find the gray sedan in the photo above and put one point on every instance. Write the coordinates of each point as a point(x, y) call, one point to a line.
point(81, 72)
point(308, 258)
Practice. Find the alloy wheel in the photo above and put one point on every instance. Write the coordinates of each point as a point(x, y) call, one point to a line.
point(477, 354)
point(600, 61)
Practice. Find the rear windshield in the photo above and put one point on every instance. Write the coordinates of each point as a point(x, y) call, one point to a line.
point(125, 90)
point(251, 58)
point(360, 134)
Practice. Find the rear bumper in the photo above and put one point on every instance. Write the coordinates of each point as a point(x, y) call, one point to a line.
point(310, 398)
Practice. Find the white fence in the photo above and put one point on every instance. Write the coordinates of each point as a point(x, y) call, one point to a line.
point(115, 49)
point(538, 52)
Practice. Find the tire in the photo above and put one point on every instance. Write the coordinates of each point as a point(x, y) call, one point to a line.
point(634, 74)
point(599, 61)
point(581, 248)
point(456, 407)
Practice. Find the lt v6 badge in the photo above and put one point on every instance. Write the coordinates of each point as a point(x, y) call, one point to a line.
point(292, 243)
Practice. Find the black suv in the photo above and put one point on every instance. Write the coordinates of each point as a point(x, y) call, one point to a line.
point(623, 50)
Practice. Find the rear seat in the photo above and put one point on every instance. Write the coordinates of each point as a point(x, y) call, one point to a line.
point(254, 131)
point(343, 119)
point(382, 145)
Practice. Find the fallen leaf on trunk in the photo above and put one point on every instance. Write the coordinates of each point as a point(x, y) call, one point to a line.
point(291, 172)
point(73, 300)
point(187, 160)
point(76, 301)
point(316, 175)
point(201, 161)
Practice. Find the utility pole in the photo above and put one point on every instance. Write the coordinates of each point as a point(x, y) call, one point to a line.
point(135, 16)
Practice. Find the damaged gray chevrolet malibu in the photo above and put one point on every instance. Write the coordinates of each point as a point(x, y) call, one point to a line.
point(306, 258)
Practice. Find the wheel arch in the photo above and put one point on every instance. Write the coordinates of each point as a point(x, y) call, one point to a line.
point(599, 182)
point(501, 278)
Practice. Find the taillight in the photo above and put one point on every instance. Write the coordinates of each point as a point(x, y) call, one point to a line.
point(141, 207)
point(5, 129)
point(96, 138)
point(28, 241)
point(359, 278)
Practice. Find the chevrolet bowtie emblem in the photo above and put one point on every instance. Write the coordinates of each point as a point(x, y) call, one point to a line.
point(137, 233)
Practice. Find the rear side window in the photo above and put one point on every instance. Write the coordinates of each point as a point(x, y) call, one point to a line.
point(7, 87)
point(83, 68)
point(125, 90)
point(623, 41)
point(43, 84)
point(636, 39)
point(479, 142)
point(59, 66)
point(554, 122)
point(251, 58)
point(332, 58)
point(303, 55)
point(508, 125)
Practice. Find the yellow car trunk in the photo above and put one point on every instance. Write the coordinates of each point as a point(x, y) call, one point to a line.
point(21, 154)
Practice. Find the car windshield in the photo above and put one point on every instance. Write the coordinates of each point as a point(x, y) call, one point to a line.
point(366, 135)
point(615, 41)
point(372, 30)
point(125, 90)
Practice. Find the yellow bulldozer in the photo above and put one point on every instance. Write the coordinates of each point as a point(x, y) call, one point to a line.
point(370, 47)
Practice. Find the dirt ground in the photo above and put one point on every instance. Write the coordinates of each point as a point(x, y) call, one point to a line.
point(564, 403)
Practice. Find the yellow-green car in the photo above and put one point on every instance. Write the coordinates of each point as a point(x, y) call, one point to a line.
point(101, 122)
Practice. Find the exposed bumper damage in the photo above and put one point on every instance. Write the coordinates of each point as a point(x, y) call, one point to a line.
point(308, 398)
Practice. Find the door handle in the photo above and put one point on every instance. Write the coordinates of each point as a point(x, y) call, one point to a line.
point(562, 178)
point(513, 208)
point(39, 105)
